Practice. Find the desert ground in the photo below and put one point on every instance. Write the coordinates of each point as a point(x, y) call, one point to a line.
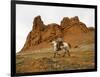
point(42, 60)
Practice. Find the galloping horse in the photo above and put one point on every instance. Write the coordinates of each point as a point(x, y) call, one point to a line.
point(64, 46)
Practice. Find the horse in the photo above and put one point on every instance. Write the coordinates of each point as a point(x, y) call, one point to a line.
point(65, 46)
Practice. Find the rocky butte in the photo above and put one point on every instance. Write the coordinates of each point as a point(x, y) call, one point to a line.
point(72, 30)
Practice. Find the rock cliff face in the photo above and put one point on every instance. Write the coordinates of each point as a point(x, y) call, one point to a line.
point(41, 33)
point(73, 25)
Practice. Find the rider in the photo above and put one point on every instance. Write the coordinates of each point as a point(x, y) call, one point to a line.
point(59, 43)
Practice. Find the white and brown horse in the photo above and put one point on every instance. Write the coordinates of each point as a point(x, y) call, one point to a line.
point(65, 47)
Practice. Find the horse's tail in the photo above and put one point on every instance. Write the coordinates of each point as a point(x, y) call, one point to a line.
point(69, 45)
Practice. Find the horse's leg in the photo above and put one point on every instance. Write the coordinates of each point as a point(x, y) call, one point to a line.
point(58, 53)
point(64, 52)
point(68, 53)
point(55, 54)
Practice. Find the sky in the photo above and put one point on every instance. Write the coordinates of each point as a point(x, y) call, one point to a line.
point(50, 14)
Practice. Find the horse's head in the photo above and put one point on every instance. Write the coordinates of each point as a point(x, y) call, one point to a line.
point(53, 42)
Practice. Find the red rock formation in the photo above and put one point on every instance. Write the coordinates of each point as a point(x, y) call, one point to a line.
point(51, 32)
point(74, 24)
point(91, 28)
point(34, 37)
point(69, 29)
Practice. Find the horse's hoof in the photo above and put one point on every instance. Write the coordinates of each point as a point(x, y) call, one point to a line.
point(64, 56)
point(58, 54)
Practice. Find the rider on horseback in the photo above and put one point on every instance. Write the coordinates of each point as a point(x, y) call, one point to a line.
point(59, 43)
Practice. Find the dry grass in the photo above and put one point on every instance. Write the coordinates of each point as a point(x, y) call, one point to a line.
point(43, 60)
